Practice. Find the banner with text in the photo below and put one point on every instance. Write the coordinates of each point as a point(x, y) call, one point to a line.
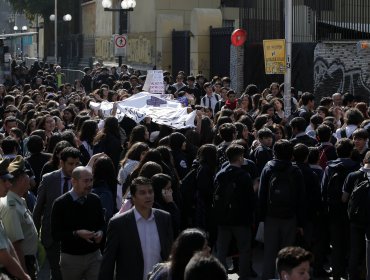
point(154, 82)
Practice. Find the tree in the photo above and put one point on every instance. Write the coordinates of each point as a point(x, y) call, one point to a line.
point(31, 8)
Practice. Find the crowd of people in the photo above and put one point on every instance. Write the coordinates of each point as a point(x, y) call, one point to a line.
point(116, 199)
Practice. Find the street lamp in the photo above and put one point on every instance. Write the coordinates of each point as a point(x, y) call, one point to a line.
point(126, 6)
point(23, 29)
point(54, 18)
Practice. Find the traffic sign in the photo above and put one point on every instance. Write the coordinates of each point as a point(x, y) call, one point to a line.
point(120, 43)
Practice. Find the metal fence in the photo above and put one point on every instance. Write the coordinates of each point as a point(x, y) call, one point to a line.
point(313, 20)
point(71, 75)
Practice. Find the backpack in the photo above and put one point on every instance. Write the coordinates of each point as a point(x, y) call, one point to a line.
point(225, 202)
point(188, 189)
point(335, 184)
point(357, 204)
point(323, 159)
point(282, 194)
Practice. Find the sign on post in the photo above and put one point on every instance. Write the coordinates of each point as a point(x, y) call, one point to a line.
point(154, 82)
point(120, 43)
point(275, 60)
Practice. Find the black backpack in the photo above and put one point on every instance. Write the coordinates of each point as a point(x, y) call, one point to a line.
point(357, 204)
point(335, 184)
point(282, 194)
point(225, 202)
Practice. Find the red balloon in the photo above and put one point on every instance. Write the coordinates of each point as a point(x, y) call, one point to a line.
point(238, 37)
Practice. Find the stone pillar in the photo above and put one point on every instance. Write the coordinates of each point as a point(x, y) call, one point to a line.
point(165, 24)
point(201, 20)
point(237, 68)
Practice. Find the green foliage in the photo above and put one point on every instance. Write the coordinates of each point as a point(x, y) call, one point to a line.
point(31, 8)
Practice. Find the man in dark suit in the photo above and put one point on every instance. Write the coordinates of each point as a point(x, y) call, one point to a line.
point(137, 239)
point(52, 186)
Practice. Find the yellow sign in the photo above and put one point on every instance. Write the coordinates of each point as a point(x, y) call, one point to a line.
point(275, 60)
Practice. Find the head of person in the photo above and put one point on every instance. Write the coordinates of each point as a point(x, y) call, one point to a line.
point(142, 193)
point(300, 153)
point(69, 160)
point(20, 181)
point(189, 242)
point(161, 183)
point(207, 155)
point(344, 147)
point(323, 133)
point(293, 263)
point(5, 177)
point(326, 102)
point(348, 100)
point(9, 146)
point(353, 117)
point(235, 154)
point(337, 99)
point(136, 152)
point(202, 267)
point(360, 137)
point(313, 155)
point(283, 150)
point(308, 99)
point(208, 88)
point(82, 180)
point(177, 141)
point(139, 134)
point(227, 132)
point(265, 136)
point(9, 123)
point(35, 144)
point(298, 125)
point(104, 170)
point(150, 168)
point(88, 131)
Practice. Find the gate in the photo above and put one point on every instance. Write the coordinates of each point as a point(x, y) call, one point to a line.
point(220, 51)
point(180, 52)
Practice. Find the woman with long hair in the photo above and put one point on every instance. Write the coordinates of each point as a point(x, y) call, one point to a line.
point(207, 159)
point(138, 134)
point(86, 136)
point(164, 200)
point(189, 242)
point(105, 184)
point(53, 163)
point(108, 141)
point(128, 164)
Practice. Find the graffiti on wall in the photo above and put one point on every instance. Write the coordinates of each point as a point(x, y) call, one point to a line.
point(348, 73)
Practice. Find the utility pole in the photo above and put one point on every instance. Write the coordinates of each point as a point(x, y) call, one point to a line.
point(288, 48)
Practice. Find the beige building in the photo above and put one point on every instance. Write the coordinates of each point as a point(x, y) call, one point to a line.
point(150, 28)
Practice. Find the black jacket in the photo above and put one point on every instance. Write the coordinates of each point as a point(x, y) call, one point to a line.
point(244, 195)
point(297, 178)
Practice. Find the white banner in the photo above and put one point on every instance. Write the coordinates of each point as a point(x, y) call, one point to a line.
point(141, 105)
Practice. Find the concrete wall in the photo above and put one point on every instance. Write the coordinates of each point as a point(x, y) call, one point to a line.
point(342, 67)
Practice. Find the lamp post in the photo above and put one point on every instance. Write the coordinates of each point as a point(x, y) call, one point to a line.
point(54, 18)
point(126, 6)
point(23, 29)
